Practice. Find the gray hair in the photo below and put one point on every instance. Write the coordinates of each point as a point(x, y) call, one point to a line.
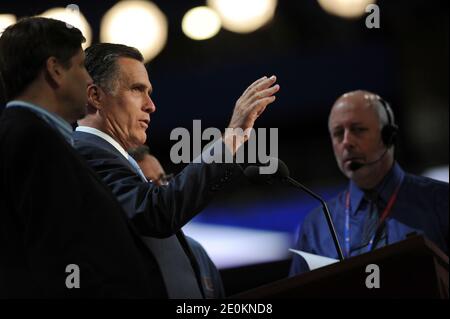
point(101, 63)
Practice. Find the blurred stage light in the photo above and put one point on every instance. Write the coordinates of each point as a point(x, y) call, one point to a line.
point(201, 23)
point(231, 247)
point(72, 16)
point(139, 24)
point(244, 16)
point(439, 173)
point(345, 8)
point(6, 20)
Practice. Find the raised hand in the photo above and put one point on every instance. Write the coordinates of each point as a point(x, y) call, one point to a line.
point(248, 108)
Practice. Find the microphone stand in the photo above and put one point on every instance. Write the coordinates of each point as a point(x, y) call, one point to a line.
point(296, 184)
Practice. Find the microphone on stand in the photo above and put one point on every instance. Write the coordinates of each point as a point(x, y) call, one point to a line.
point(282, 174)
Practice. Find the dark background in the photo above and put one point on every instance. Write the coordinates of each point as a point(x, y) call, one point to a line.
point(317, 57)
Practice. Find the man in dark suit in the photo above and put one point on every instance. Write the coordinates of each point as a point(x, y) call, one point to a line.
point(119, 108)
point(62, 232)
point(209, 275)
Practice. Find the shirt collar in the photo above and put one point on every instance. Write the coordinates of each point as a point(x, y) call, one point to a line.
point(384, 189)
point(104, 136)
point(57, 122)
point(393, 179)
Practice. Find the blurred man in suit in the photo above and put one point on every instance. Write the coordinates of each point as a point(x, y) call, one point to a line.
point(119, 109)
point(58, 219)
point(382, 204)
point(150, 166)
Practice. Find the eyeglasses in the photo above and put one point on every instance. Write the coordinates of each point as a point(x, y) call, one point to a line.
point(163, 179)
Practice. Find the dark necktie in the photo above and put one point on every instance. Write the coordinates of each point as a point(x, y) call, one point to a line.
point(372, 219)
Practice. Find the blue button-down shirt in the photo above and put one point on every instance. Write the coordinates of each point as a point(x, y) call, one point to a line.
point(55, 121)
point(421, 207)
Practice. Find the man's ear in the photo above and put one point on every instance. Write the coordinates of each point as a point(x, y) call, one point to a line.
point(55, 71)
point(95, 96)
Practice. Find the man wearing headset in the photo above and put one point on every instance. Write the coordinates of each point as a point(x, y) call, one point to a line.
point(381, 204)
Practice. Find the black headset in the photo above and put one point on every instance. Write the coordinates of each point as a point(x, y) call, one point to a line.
point(389, 132)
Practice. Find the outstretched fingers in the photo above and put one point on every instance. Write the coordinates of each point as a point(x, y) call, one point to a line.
point(270, 91)
point(258, 86)
point(259, 106)
point(254, 84)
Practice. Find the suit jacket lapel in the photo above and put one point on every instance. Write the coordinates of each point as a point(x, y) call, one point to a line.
point(101, 143)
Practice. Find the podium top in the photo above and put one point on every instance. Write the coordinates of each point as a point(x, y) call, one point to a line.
point(400, 263)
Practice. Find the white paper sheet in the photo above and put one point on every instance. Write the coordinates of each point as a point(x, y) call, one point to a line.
point(314, 261)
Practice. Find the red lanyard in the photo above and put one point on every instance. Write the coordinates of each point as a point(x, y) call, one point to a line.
point(384, 215)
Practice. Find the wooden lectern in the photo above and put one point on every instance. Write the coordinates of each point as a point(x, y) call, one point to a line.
point(412, 268)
